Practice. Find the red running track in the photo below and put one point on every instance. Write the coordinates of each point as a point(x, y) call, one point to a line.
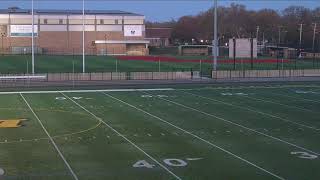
point(175, 60)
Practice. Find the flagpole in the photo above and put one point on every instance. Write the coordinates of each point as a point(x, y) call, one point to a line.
point(32, 34)
point(83, 29)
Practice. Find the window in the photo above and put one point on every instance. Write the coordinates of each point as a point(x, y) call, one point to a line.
point(116, 21)
point(60, 21)
point(101, 21)
point(45, 21)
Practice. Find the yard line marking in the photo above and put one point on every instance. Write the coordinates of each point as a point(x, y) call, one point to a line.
point(86, 91)
point(298, 98)
point(119, 134)
point(239, 125)
point(51, 139)
point(255, 87)
point(256, 111)
point(273, 102)
point(197, 137)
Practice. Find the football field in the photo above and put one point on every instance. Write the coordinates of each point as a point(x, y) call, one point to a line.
point(200, 133)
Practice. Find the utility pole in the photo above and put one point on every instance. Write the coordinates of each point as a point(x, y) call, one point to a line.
point(257, 34)
point(314, 35)
point(215, 41)
point(313, 40)
point(300, 35)
point(279, 35)
point(32, 36)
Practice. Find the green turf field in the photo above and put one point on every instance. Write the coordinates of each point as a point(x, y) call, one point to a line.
point(60, 64)
point(200, 133)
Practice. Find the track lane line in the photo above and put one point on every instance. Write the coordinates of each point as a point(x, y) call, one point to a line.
point(253, 110)
point(51, 139)
point(242, 126)
point(121, 135)
point(197, 137)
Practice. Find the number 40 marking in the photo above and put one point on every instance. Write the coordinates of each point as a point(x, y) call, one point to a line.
point(169, 162)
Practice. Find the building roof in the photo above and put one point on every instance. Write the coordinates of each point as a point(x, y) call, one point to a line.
point(59, 11)
point(158, 32)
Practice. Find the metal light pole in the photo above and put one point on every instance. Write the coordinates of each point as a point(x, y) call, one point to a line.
point(257, 34)
point(2, 48)
point(215, 41)
point(83, 29)
point(300, 35)
point(313, 40)
point(279, 35)
point(32, 34)
point(314, 36)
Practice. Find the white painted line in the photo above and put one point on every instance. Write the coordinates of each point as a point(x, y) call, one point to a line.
point(193, 159)
point(51, 139)
point(121, 135)
point(255, 87)
point(239, 125)
point(256, 111)
point(273, 102)
point(298, 98)
point(85, 91)
point(197, 137)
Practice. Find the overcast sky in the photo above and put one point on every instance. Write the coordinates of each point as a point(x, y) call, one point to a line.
point(156, 10)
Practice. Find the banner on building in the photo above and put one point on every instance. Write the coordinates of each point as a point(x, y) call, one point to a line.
point(23, 30)
point(132, 30)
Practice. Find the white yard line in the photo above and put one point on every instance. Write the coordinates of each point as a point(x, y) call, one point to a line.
point(85, 91)
point(51, 139)
point(239, 125)
point(255, 87)
point(295, 97)
point(256, 111)
point(197, 137)
point(273, 102)
point(121, 135)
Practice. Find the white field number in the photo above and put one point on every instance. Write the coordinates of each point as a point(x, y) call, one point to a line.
point(305, 92)
point(151, 96)
point(64, 98)
point(170, 162)
point(304, 155)
point(1, 172)
point(234, 94)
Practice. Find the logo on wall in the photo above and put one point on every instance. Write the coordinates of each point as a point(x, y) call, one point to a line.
point(133, 30)
point(23, 30)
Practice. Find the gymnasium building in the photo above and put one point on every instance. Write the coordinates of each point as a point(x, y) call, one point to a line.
point(107, 32)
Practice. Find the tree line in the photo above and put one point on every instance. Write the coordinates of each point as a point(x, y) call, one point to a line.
point(274, 27)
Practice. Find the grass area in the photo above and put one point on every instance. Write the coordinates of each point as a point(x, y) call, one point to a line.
point(60, 64)
point(212, 132)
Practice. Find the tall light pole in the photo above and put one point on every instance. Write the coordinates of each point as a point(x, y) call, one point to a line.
point(83, 29)
point(314, 35)
point(215, 41)
point(32, 36)
point(300, 42)
point(279, 35)
point(257, 34)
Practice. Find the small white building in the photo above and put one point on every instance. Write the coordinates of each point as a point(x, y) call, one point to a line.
point(243, 48)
